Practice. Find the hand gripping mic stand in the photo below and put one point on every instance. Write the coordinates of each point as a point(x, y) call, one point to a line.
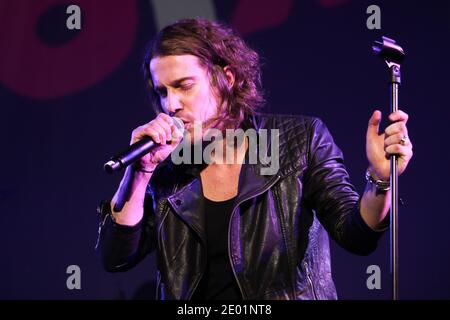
point(393, 55)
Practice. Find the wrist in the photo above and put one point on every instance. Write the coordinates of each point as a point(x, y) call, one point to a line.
point(380, 185)
point(145, 170)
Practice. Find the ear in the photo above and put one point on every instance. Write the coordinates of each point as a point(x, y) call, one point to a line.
point(230, 75)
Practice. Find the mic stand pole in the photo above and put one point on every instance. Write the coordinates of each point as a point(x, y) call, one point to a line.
point(393, 56)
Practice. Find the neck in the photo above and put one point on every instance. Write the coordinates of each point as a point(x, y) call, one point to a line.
point(228, 154)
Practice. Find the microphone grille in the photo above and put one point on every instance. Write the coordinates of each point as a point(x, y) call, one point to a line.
point(178, 123)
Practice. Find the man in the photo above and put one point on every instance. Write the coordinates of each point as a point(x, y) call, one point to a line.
point(224, 230)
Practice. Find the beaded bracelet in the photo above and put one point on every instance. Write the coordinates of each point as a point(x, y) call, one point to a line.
point(379, 184)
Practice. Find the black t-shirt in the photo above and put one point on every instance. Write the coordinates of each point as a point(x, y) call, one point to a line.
point(218, 281)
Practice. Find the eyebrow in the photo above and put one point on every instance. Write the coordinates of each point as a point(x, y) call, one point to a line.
point(177, 82)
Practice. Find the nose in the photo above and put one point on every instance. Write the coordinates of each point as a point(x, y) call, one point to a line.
point(173, 103)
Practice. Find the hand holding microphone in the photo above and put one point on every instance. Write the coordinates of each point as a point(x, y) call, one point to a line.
point(150, 144)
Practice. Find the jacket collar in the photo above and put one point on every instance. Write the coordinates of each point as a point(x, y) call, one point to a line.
point(188, 201)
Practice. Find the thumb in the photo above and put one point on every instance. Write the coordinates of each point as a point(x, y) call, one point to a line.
point(374, 124)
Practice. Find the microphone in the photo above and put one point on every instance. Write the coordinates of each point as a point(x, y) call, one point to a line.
point(136, 151)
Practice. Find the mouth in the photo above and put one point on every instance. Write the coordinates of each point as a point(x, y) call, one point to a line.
point(184, 120)
point(185, 123)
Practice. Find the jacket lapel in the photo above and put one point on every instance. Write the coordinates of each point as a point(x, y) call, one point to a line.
point(188, 204)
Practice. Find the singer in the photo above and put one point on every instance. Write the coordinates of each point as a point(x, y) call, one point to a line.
point(223, 230)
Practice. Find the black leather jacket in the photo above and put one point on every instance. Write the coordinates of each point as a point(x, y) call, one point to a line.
point(278, 242)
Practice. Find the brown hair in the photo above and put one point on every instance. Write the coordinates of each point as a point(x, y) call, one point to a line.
point(216, 46)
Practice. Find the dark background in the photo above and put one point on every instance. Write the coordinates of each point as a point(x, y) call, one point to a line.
point(70, 98)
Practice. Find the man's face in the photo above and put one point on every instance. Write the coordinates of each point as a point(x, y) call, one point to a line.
point(184, 89)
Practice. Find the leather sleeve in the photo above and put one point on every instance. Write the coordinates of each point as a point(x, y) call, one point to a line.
point(328, 190)
point(121, 247)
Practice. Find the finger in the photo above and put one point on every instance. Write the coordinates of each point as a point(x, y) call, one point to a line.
point(155, 125)
point(395, 128)
point(175, 131)
point(144, 131)
point(178, 133)
point(398, 115)
point(374, 124)
point(396, 139)
point(166, 127)
point(138, 133)
point(166, 118)
point(152, 133)
point(399, 150)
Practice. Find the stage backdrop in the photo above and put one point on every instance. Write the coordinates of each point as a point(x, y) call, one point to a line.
point(71, 92)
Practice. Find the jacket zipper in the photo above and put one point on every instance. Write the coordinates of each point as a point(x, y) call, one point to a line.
point(308, 276)
point(229, 229)
point(159, 236)
point(283, 232)
point(199, 278)
point(158, 282)
point(229, 242)
point(167, 208)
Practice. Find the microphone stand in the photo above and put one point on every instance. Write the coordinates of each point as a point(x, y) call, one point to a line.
point(393, 55)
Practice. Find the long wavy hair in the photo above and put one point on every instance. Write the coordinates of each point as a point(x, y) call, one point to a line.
point(217, 46)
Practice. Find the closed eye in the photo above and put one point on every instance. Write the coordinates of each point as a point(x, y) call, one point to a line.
point(186, 87)
point(183, 84)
